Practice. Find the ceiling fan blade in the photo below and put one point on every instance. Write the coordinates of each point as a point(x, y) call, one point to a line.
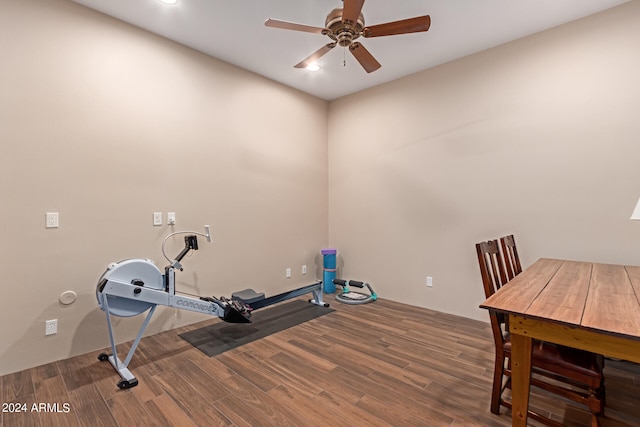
point(274, 23)
point(405, 26)
point(365, 58)
point(351, 10)
point(315, 55)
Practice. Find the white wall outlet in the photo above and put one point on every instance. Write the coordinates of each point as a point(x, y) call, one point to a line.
point(171, 218)
point(287, 273)
point(304, 269)
point(52, 220)
point(157, 218)
point(429, 281)
point(51, 327)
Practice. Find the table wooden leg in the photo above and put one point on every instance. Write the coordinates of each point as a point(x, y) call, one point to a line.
point(520, 378)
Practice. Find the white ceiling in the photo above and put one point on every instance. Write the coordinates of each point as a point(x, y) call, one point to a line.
point(234, 31)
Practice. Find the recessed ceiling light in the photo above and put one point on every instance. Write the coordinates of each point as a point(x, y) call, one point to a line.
point(169, 1)
point(313, 67)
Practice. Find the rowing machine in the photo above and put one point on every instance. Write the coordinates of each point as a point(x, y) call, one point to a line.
point(131, 287)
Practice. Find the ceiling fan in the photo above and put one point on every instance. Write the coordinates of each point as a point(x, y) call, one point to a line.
point(346, 24)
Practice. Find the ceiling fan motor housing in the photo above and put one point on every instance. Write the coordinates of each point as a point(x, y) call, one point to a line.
point(343, 32)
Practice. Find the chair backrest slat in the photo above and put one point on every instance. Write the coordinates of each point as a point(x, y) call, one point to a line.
point(511, 258)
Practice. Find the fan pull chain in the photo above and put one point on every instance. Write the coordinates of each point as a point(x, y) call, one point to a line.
point(344, 57)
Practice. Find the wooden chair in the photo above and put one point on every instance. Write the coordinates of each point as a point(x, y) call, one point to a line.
point(511, 258)
point(570, 373)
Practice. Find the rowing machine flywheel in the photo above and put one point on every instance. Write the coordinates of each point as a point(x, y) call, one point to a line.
point(139, 272)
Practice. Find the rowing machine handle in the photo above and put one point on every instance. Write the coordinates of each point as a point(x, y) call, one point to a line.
point(344, 283)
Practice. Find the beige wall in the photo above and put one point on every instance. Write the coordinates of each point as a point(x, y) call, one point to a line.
point(105, 124)
point(540, 138)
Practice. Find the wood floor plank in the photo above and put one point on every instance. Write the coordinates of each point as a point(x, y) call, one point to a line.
point(245, 368)
point(247, 405)
point(394, 415)
point(200, 407)
point(390, 392)
point(17, 385)
point(128, 410)
point(54, 403)
point(158, 348)
point(375, 349)
point(319, 345)
point(326, 409)
point(40, 373)
point(172, 412)
point(210, 365)
point(90, 407)
point(436, 360)
point(76, 371)
point(303, 377)
point(206, 386)
point(21, 416)
point(289, 347)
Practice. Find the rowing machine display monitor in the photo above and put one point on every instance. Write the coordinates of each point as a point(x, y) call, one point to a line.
point(347, 296)
point(132, 287)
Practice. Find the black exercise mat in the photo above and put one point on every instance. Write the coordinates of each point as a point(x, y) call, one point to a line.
point(220, 337)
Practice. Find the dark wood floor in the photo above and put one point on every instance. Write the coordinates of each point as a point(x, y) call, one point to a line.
point(380, 364)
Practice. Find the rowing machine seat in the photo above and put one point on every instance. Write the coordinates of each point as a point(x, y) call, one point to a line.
point(248, 296)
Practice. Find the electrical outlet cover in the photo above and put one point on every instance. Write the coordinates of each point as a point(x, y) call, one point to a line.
point(52, 220)
point(51, 327)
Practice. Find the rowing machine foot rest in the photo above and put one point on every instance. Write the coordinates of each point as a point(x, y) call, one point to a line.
point(248, 296)
point(232, 315)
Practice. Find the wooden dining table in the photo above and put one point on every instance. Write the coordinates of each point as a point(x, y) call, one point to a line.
point(585, 305)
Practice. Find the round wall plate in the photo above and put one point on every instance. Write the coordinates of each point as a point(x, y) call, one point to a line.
point(68, 297)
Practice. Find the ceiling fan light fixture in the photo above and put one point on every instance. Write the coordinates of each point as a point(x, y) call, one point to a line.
point(313, 67)
point(169, 1)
